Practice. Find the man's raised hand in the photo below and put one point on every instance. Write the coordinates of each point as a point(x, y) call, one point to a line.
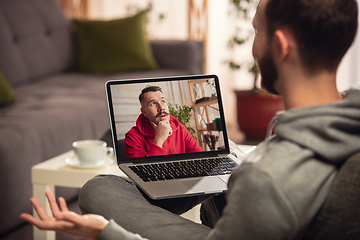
point(162, 131)
point(64, 221)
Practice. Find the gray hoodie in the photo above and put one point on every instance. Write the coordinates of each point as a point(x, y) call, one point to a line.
point(281, 185)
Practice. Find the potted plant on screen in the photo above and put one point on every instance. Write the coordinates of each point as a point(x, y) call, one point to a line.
point(183, 115)
point(255, 107)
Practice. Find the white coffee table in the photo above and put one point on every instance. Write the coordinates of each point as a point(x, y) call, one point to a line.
point(55, 172)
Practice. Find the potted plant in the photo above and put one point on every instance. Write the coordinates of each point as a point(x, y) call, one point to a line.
point(255, 107)
point(183, 115)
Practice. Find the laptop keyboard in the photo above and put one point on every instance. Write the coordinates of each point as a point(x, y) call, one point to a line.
point(184, 169)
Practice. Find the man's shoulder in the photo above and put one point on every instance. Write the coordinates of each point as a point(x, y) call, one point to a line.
point(133, 131)
point(288, 165)
point(277, 158)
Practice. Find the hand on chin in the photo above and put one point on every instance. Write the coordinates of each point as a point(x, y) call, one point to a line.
point(162, 131)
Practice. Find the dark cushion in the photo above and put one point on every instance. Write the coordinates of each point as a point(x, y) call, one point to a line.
point(339, 218)
point(177, 54)
point(114, 46)
point(7, 95)
point(35, 40)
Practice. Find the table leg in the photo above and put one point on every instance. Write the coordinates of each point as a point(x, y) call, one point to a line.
point(39, 193)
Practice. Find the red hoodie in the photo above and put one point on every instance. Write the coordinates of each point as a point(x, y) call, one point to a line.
point(139, 140)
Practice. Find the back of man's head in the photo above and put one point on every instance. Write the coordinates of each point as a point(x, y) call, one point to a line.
point(149, 89)
point(323, 29)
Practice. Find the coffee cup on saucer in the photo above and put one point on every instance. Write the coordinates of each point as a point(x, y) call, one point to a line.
point(91, 152)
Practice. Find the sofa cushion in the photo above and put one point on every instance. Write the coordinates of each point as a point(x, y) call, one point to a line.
point(113, 46)
point(7, 95)
point(35, 40)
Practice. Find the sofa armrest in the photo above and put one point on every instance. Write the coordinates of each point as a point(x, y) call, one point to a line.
point(179, 54)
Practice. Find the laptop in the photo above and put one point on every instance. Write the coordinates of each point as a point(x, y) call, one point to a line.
point(180, 174)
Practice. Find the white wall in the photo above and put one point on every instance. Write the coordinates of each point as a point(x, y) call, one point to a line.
point(174, 26)
point(349, 72)
point(219, 33)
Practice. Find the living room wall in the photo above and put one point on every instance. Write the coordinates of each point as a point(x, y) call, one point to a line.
point(173, 26)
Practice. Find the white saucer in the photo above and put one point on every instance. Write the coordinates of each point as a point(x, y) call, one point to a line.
point(74, 162)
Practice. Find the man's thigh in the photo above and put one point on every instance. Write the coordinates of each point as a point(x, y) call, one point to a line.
point(118, 198)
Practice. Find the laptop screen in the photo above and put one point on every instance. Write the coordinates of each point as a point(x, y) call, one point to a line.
point(174, 118)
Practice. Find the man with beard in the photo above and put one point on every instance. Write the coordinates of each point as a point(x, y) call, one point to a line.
point(279, 189)
point(156, 131)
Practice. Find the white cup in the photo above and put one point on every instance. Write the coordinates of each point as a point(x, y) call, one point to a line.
point(91, 152)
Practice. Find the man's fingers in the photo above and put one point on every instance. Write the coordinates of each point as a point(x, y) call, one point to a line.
point(29, 218)
point(169, 128)
point(39, 209)
point(153, 124)
point(164, 123)
point(167, 125)
point(53, 204)
point(35, 221)
point(72, 217)
point(47, 224)
point(63, 205)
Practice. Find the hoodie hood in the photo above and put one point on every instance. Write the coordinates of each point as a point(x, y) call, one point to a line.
point(332, 131)
point(144, 127)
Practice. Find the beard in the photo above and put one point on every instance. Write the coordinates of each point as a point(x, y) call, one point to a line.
point(269, 73)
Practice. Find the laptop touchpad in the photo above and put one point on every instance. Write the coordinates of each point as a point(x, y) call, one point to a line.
point(210, 184)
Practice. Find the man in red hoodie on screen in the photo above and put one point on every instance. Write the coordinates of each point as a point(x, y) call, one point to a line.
point(156, 131)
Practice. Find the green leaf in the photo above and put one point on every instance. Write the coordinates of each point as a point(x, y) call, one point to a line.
point(239, 40)
point(234, 65)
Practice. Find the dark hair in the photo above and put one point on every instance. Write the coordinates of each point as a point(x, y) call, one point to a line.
point(324, 29)
point(149, 89)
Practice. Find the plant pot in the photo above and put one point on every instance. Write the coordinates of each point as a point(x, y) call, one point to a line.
point(255, 111)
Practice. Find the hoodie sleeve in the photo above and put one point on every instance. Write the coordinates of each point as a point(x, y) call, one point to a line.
point(256, 209)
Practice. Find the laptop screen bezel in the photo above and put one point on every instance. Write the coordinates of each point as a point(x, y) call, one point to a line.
point(172, 157)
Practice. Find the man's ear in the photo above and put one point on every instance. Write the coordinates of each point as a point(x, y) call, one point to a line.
point(283, 43)
point(143, 112)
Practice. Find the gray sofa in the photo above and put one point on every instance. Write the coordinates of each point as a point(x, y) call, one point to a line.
point(56, 104)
